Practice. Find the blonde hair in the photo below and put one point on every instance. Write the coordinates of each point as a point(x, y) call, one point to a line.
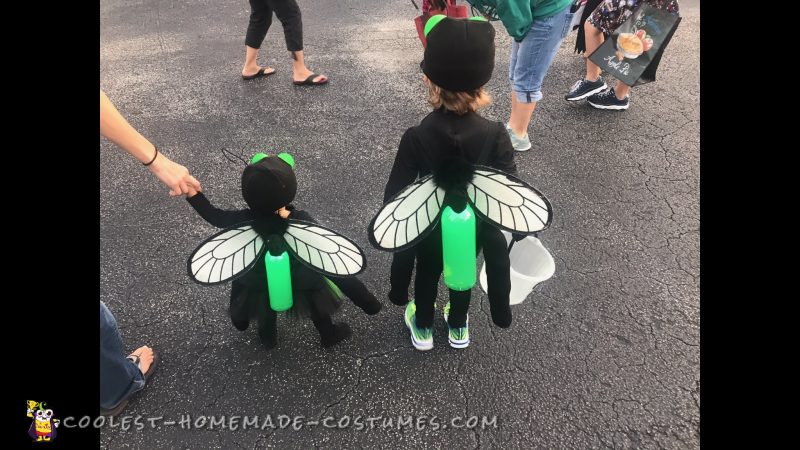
point(459, 102)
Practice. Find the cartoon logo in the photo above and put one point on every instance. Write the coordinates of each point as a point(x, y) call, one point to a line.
point(44, 426)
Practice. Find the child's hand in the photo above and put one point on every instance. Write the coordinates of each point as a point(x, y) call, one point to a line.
point(283, 212)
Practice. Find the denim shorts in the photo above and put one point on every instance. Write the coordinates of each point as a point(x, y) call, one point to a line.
point(531, 58)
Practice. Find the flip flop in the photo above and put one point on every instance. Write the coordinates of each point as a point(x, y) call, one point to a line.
point(262, 72)
point(135, 359)
point(153, 366)
point(310, 80)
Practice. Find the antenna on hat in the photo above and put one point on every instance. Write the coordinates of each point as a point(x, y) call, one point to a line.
point(233, 157)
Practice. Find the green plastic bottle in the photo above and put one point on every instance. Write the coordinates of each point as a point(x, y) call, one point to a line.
point(279, 279)
point(458, 248)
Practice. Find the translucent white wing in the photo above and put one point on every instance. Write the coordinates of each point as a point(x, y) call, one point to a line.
point(508, 202)
point(226, 255)
point(408, 217)
point(323, 250)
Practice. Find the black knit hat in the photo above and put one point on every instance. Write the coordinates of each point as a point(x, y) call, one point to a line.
point(268, 185)
point(459, 55)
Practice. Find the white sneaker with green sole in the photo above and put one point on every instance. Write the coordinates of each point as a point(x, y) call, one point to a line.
point(421, 338)
point(458, 337)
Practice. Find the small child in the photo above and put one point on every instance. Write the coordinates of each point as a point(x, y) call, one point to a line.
point(448, 143)
point(269, 227)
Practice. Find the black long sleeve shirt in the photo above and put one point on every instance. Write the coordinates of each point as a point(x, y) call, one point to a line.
point(439, 135)
point(302, 276)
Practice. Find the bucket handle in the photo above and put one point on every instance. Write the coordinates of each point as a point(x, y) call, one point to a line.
point(513, 241)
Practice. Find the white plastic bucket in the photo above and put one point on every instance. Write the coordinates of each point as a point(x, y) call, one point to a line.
point(531, 264)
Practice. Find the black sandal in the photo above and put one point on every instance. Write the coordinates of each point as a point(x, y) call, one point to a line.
point(310, 80)
point(262, 72)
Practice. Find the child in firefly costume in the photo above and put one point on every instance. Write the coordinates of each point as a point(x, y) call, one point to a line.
point(278, 258)
point(452, 168)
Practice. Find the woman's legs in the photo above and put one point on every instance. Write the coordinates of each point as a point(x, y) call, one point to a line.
point(119, 376)
point(260, 21)
point(289, 14)
point(594, 38)
point(621, 90)
point(530, 61)
point(521, 114)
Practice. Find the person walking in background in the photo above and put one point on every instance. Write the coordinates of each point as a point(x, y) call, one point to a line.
point(288, 13)
point(121, 376)
point(601, 22)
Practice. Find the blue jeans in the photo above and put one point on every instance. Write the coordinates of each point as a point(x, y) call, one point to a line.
point(531, 58)
point(119, 376)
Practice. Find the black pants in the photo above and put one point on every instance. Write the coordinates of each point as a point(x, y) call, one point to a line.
point(428, 255)
point(261, 18)
point(245, 304)
point(267, 324)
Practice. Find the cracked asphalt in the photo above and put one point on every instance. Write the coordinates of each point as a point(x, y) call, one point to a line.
point(604, 354)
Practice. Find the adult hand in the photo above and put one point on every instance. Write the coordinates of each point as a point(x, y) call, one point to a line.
point(119, 131)
point(175, 176)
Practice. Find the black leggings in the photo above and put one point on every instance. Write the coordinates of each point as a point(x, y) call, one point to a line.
point(261, 18)
point(429, 270)
point(267, 324)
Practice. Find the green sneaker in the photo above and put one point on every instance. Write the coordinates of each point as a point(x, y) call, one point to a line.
point(422, 338)
point(458, 337)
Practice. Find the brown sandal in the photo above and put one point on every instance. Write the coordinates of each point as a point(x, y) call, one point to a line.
point(136, 360)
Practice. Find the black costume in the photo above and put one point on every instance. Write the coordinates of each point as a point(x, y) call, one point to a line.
point(452, 160)
point(423, 148)
point(267, 185)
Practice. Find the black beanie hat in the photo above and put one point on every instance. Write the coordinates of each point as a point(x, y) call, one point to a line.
point(268, 185)
point(459, 55)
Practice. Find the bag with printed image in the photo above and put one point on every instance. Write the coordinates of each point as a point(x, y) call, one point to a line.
point(633, 51)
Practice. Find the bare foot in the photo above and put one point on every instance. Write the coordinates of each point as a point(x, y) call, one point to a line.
point(146, 356)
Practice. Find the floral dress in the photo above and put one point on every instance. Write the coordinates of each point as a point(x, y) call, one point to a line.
point(610, 14)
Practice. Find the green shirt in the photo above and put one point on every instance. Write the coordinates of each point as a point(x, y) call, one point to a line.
point(517, 15)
